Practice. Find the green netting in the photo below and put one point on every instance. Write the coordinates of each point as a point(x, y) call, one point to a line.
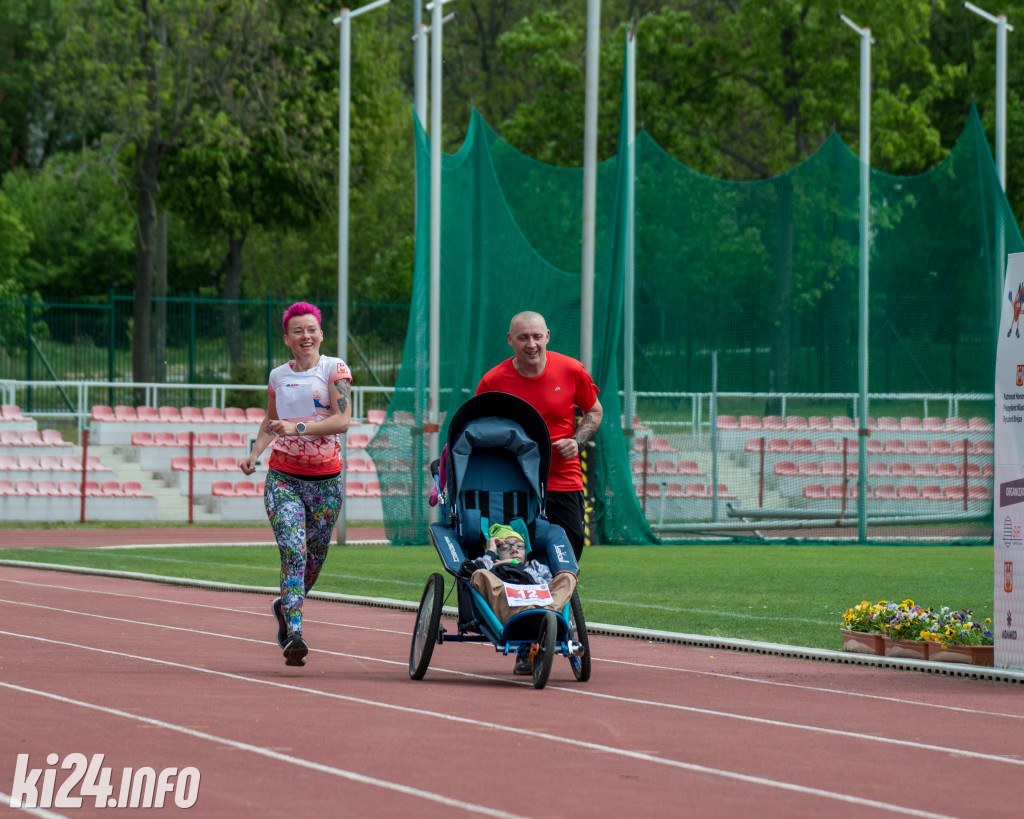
point(746, 307)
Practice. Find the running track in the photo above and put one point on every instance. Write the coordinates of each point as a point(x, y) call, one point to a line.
point(164, 676)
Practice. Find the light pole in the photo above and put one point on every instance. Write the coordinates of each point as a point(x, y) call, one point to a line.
point(1000, 251)
point(589, 184)
point(865, 225)
point(344, 21)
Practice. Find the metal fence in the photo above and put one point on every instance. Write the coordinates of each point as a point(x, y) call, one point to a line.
point(194, 341)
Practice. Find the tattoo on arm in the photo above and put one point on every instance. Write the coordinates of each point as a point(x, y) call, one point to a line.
point(344, 389)
point(585, 431)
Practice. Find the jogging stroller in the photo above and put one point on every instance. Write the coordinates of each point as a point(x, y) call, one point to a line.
point(494, 469)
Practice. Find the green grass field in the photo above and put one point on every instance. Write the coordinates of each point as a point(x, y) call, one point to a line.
point(781, 594)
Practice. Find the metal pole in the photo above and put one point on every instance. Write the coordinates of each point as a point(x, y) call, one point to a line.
point(589, 184)
point(628, 329)
point(432, 428)
point(863, 413)
point(344, 23)
point(420, 80)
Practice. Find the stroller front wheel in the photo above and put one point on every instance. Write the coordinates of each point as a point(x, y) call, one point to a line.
point(428, 624)
point(546, 649)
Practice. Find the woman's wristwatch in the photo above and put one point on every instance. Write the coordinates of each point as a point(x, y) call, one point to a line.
point(300, 428)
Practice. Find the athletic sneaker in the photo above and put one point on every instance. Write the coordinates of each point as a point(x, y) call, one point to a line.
point(524, 665)
point(295, 650)
point(282, 627)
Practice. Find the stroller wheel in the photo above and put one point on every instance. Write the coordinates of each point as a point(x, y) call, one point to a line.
point(580, 661)
point(428, 624)
point(546, 653)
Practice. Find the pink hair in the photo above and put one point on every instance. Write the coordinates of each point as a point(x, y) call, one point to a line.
point(301, 308)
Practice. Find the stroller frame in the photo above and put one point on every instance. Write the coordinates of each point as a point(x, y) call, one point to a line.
point(494, 470)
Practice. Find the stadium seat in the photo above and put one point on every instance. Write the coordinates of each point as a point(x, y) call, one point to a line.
point(802, 445)
point(376, 416)
point(255, 414)
point(225, 463)
point(661, 444)
point(947, 469)
point(694, 490)
point(192, 415)
point(357, 440)
point(232, 439)
point(973, 470)
point(955, 424)
point(208, 439)
point(917, 447)
point(28, 463)
point(814, 491)
point(901, 469)
point(910, 423)
point(885, 491)
point(908, 492)
point(47, 488)
point(785, 469)
point(925, 469)
point(826, 445)
point(141, 437)
point(222, 488)
point(931, 492)
point(978, 493)
point(355, 489)
point(49, 462)
point(11, 412)
point(689, 468)
point(101, 412)
point(983, 448)
point(249, 489)
point(831, 468)
point(876, 468)
point(31, 437)
point(6, 487)
point(778, 445)
point(165, 439)
point(773, 422)
point(373, 489)
point(835, 491)
point(843, 422)
point(134, 489)
point(939, 446)
point(122, 412)
point(213, 415)
point(887, 423)
point(727, 422)
point(894, 446)
point(235, 415)
point(93, 464)
point(92, 488)
point(753, 445)
point(808, 468)
point(874, 446)
point(978, 424)
point(72, 462)
point(819, 422)
point(796, 422)
point(674, 490)
point(149, 414)
point(52, 437)
point(953, 491)
point(179, 463)
point(169, 413)
point(638, 467)
point(69, 488)
point(932, 423)
point(749, 422)
point(664, 468)
point(25, 487)
point(111, 489)
point(9, 437)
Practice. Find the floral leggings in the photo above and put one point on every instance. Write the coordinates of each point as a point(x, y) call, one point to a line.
point(302, 514)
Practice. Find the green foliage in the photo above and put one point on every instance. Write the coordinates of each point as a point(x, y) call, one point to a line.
point(249, 373)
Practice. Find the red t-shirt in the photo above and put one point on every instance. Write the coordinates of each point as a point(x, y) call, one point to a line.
point(555, 393)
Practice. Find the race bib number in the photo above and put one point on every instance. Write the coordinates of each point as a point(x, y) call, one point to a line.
point(534, 595)
point(295, 401)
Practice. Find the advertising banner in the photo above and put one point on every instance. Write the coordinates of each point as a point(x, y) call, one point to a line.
point(1008, 497)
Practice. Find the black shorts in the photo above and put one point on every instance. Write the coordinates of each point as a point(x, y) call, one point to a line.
point(566, 509)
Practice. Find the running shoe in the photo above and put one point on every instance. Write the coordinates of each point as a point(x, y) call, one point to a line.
point(524, 661)
point(282, 627)
point(295, 650)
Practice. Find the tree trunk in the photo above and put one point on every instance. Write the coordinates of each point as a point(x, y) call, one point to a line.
point(233, 267)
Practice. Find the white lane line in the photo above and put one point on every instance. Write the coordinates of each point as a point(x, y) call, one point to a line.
point(477, 724)
point(342, 773)
point(731, 677)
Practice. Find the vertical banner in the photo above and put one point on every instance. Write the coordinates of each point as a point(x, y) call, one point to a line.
point(1008, 498)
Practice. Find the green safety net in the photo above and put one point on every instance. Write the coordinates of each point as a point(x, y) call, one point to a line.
point(742, 383)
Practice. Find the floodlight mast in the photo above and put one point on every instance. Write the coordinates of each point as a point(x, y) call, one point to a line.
point(863, 430)
point(344, 23)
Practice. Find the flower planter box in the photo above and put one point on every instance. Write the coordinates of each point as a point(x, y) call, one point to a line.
point(907, 649)
point(862, 642)
point(973, 655)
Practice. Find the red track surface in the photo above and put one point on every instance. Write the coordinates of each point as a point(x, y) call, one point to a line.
point(164, 676)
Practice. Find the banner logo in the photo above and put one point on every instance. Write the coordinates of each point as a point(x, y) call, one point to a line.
point(1012, 534)
point(1011, 492)
point(1020, 375)
point(1008, 576)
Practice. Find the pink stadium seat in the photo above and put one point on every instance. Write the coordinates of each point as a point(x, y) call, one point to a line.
point(983, 448)
point(826, 445)
point(192, 415)
point(831, 468)
point(235, 415)
point(186, 435)
point(695, 490)
point(72, 462)
point(208, 439)
point(778, 445)
point(947, 469)
point(101, 412)
point(664, 468)
point(835, 491)
point(973, 470)
point(232, 439)
point(753, 445)
point(894, 445)
point(25, 487)
point(255, 414)
point(785, 469)
point(92, 488)
point(925, 469)
point(815, 491)
point(660, 444)
point(931, 492)
point(901, 469)
point(52, 437)
point(179, 463)
point(908, 492)
point(885, 491)
point(28, 463)
point(796, 422)
point(165, 439)
point(723, 492)
point(49, 462)
point(213, 415)
point(357, 440)
point(9, 437)
point(149, 414)
point(226, 463)
point(932, 423)
point(978, 424)
point(876, 468)
point(843, 422)
point(32, 437)
point(750, 422)
point(802, 445)
point(355, 489)
point(249, 489)
point(773, 422)
point(639, 467)
point(6, 487)
point(806, 468)
point(874, 446)
point(133, 489)
point(887, 423)
point(169, 413)
point(727, 422)
point(987, 470)
point(940, 446)
point(674, 490)
point(917, 447)
point(111, 489)
point(955, 424)
point(142, 438)
point(953, 491)
point(978, 493)
point(222, 488)
point(910, 423)
point(122, 412)
point(8, 462)
point(689, 468)
point(652, 490)
point(819, 422)
point(69, 488)
point(93, 464)
point(376, 416)
point(11, 412)
point(48, 488)
point(204, 463)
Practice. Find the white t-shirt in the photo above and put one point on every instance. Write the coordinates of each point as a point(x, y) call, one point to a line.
point(306, 396)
